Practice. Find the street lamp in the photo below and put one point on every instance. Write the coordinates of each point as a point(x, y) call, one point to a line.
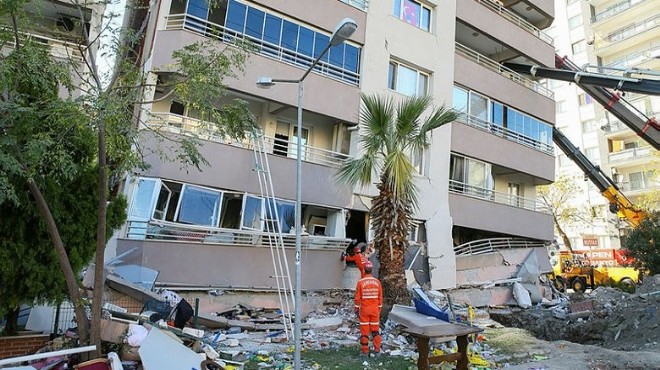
point(343, 31)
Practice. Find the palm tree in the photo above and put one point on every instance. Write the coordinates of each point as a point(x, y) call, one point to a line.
point(390, 134)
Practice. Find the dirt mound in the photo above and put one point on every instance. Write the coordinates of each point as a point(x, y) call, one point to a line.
point(606, 317)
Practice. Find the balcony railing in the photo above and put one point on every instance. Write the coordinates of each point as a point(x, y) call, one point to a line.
point(176, 232)
point(206, 131)
point(516, 19)
point(462, 188)
point(59, 48)
point(614, 126)
point(221, 33)
point(615, 9)
point(493, 244)
point(644, 186)
point(630, 154)
point(636, 58)
point(502, 70)
point(506, 133)
point(360, 4)
point(634, 29)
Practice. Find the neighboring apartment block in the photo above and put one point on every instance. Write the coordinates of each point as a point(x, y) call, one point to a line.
point(477, 180)
point(611, 37)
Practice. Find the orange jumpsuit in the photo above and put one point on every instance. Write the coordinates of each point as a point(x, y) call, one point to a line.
point(369, 300)
point(359, 259)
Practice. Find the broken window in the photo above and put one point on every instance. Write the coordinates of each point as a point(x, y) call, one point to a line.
point(199, 206)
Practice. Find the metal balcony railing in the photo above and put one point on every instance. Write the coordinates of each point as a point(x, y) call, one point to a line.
point(360, 4)
point(221, 33)
point(473, 191)
point(490, 245)
point(204, 130)
point(506, 133)
point(59, 48)
point(615, 9)
point(176, 232)
point(630, 154)
point(614, 126)
point(634, 29)
point(516, 19)
point(634, 59)
point(496, 67)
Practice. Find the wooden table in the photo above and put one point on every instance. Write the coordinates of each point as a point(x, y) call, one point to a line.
point(425, 328)
point(442, 330)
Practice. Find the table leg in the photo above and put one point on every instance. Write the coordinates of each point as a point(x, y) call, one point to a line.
point(462, 342)
point(423, 348)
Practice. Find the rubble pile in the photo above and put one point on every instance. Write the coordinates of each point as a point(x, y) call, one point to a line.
point(606, 317)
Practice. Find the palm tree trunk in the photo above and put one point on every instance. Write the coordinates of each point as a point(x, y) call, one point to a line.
point(69, 276)
point(390, 220)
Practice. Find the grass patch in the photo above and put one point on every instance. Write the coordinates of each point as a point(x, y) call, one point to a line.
point(348, 358)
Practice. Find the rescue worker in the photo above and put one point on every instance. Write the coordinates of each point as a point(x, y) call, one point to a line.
point(358, 257)
point(368, 302)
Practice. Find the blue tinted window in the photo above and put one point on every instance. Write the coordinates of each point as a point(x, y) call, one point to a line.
point(198, 8)
point(236, 16)
point(306, 41)
point(498, 114)
point(352, 58)
point(397, 8)
point(273, 29)
point(337, 55)
point(255, 23)
point(290, 35)
point(319, 45)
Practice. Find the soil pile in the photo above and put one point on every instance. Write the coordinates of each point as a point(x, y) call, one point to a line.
point(607, 317)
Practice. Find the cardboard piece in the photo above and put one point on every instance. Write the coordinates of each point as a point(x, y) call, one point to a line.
point(113, 331)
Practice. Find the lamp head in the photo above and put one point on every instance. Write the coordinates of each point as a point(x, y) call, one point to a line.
point(265, 82)
point(343, 31)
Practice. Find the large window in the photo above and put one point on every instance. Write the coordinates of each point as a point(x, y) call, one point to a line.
point(471, 176)
point(641, 180)
point(407, 80)
point(301, 44)
point(199, 206)
point(413, 12)
point(489, 111)
point(574, 22)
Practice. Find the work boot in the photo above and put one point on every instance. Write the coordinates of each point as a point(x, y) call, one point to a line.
point(362, 354)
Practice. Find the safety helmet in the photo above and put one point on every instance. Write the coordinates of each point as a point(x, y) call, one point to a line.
point(368, 265)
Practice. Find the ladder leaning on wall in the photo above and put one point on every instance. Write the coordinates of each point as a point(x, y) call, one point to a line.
point(273, 229)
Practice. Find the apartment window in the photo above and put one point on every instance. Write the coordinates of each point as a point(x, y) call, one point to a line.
point(515, 194)
point(592, 153)
point(579, 46)
point(417, 160)
point(560, 106)
point(574, 22)
point(564, 161)
point(584, 99)
point(478, 106)
point(407, 80)
point(470, 176)
point(460, 100)
point(640, 180)
point(589, 126)
point(413, 12)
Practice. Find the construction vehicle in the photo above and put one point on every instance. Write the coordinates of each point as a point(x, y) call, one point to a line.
point(573, 269)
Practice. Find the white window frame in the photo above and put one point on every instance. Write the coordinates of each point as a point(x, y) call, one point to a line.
point(215, 218)
point(393, 78)
point(400, 5)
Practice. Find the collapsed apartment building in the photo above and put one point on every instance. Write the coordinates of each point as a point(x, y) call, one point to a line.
point(207, 229)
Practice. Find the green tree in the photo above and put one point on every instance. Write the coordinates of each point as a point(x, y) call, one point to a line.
point(390, 133)
point(643, 243)
point(557, 199)
point(32, 81)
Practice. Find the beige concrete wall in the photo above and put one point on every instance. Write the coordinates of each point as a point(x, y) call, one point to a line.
point(489, 83)
point(389, 38)
point(221, 266)
point(497, 27)
point(476, 143)
point(486, 215)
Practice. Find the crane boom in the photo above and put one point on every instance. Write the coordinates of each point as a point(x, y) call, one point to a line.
point(595, 85)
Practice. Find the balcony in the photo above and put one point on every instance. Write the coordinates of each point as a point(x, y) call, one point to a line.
point(637, 59)
point(627, 155)
point(174, 123)
point(496, 67)
point(360, 4)
point(615, 9)
point(506, 133)
point(173, 231)
point(636, 33)
point(497, 7)
point(457, 187)
point(218, 32)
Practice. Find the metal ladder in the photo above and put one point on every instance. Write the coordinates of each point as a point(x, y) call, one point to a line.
point(273, 230)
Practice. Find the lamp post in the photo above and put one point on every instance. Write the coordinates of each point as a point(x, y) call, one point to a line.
point(343, 31)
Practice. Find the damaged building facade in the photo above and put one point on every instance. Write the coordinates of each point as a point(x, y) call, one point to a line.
point(477, 180)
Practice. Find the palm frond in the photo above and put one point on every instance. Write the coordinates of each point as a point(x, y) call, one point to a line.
point(376, 116)
point(399, 174)
point(440, 117)
point(358, 170)
point(408, 113)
